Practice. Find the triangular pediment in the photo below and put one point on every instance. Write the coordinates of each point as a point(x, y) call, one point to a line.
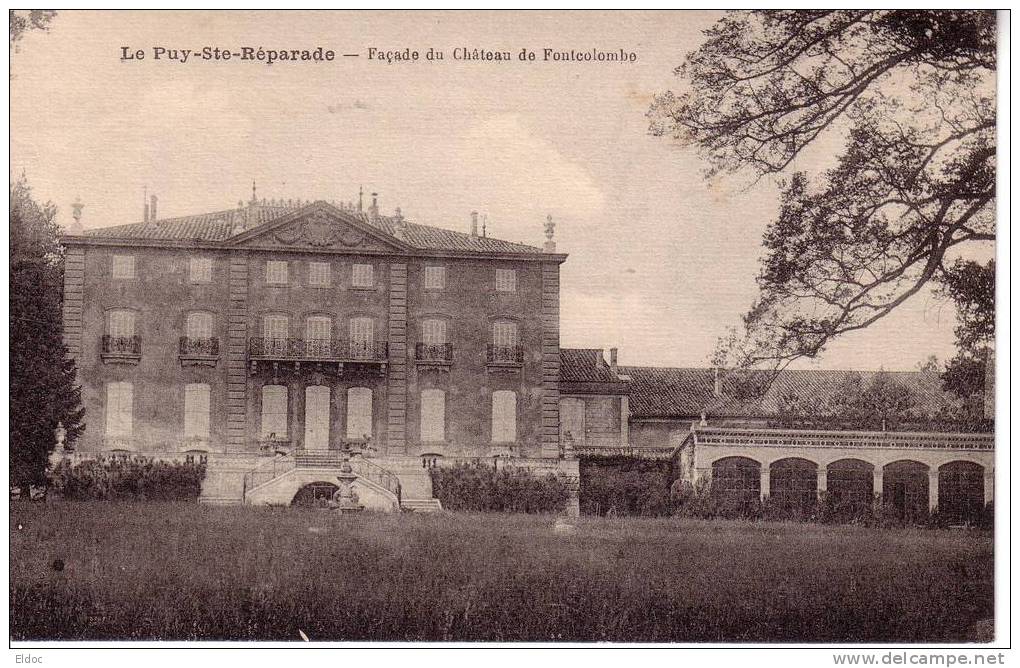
point(318, 226)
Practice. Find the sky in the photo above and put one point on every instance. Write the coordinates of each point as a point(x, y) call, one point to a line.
point(661, 261)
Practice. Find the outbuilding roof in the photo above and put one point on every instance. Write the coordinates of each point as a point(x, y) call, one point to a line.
point(687, 392)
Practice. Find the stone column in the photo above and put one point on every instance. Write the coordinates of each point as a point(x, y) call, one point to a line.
point(823, 482)
point(877, 487)
point(396, 416)
point(765, 480)
point(624, 421)
point(933, 488)
point(989, 484)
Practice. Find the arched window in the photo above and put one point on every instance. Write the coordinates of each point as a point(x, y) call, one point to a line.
point(433, 416)
point(276, 327)
point(317, 417)
point(196, 411)
point(274, 412)
point(119, 409)
point(120, 323)
point(433, 331)
point(318, 335)
point(362, 336)
point(199, 325)
point(504, 416)
point(359, 413)
point(504, 333)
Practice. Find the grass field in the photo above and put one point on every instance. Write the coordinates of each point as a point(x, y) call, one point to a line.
point(164, 571)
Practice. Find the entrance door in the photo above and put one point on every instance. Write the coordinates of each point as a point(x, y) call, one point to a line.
point(572, 420)
point(317, 417)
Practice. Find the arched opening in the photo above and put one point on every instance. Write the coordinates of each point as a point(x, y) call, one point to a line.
point(961, 490)
point(314, 494)
point(905, 487)
point(850, 484)
point(793, 483)
point(736, 481)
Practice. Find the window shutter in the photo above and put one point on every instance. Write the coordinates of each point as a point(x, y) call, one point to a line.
point(196, 410)
point(433, 416)
point(504, 416)
point(274, 411)
point(359, 413)
point(199, 325)
point(119, 409)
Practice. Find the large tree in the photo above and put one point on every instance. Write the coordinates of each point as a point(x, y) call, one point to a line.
point(912, 95)
point(42, 377)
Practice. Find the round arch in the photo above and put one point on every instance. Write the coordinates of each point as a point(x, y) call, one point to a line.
point(793, 483)
point(850, 484)
point(736, 480)
point(314, 494)
point(905, 487)
point(961, 490)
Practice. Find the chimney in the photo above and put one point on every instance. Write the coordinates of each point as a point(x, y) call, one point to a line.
point(361, 196)
point(76, 207)
point(612, 360)
point(373, 210)
point(401, 227)
point(145, 204)
point(718, 386)
point(474, 224)
point(152, 209)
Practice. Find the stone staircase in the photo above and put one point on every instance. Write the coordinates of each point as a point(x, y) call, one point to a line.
point(421, 505)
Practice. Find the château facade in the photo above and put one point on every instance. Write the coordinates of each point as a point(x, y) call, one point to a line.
point(293, 330)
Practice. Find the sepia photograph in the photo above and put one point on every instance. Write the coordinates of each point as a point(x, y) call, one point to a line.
point(508, 329)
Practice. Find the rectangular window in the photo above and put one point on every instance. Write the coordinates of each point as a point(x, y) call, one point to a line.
point(123, 266)
point(318, 274)
point(504, 334)
point(121, 323)
point(504, 416)
point(362, 331)
point(433, 332)
point(276, 272)
point(359, 412)
point(506, 280)
point(196, 411)
point(274, 412)
point(199, 325)
point(433, 416)
point(119, 409)
point(435, 278)
point(200, 270)
point(362, 276)
point(276, 327)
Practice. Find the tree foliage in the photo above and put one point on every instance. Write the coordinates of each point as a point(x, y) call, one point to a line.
point(22, 20)
point(912, 93)
point(43, 390)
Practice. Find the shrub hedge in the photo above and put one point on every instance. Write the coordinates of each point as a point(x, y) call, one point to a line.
point(122, 479)
point(481, 487)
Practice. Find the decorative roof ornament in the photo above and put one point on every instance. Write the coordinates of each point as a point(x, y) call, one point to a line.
point(76, 208)
point(550, 230)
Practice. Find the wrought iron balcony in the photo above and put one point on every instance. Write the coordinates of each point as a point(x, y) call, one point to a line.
point(125, 349)
point(317, 350)
point(433, 353)
point(504, 355)
point(200, 347)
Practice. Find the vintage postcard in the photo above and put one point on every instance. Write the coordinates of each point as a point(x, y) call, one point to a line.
point(506, 327)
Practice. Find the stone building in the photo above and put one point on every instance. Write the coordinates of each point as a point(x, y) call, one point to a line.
point(775, 444)
point(274, 339)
